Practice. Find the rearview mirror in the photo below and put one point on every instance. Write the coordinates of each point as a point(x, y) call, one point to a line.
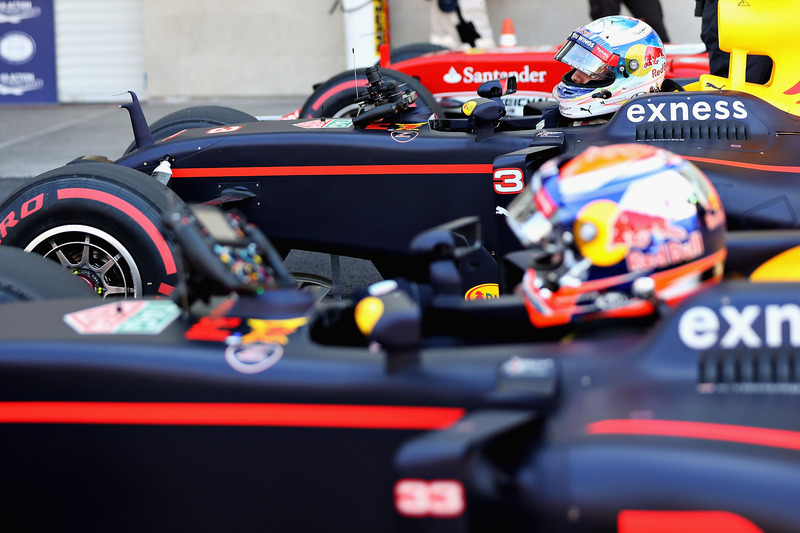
point(499, 87)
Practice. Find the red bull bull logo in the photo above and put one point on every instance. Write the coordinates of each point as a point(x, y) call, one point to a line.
point(607, 235)
point(642, 60)
point(651, 56)
point(653, 242)
point(639, 230)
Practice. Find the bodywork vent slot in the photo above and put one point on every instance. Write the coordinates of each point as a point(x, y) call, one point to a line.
point(724, 130)
point(751, 370)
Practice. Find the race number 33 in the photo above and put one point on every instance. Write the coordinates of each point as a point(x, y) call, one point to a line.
point(508, 181)
point(439, 498)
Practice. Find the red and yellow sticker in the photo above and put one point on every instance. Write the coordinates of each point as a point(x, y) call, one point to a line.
point(484, 291)
point(251, 330)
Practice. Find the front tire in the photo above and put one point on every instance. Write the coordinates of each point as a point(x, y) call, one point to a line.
point(102, 222)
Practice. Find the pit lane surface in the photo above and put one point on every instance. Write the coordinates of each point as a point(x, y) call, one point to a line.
point(38, 138)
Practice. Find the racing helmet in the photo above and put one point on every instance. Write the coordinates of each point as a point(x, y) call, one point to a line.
point(623, 56)
point(618, 231)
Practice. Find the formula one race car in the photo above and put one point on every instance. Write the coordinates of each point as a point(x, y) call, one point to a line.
point(365, 186)
point(392, 412)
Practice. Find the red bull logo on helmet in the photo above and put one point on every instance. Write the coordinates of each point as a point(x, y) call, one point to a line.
point(666, 254)
point(638, 230)
point(651, 56)
point(642, 59)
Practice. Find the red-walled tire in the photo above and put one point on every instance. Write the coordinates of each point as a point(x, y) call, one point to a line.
point(103, 222)
point(336, 97)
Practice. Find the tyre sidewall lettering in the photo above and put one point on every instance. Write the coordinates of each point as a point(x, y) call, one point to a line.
point(26, 209)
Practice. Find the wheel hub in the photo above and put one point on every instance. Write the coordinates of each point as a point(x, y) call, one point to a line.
point(94, 256)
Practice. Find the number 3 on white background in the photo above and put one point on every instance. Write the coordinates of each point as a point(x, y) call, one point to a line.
point(508, 181)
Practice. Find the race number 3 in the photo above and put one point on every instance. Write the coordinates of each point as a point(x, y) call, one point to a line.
point(223, 129)
point(508, 181)
point(418, 498)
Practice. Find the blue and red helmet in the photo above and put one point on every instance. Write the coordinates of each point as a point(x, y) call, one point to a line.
point(611, 216)
point(623, 56)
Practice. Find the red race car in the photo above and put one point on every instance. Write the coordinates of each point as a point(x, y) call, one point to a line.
point(445, 79)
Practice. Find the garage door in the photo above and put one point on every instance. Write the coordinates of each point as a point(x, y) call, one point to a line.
point(99, 50)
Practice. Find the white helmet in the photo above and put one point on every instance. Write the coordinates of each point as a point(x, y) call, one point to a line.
point(623, 56)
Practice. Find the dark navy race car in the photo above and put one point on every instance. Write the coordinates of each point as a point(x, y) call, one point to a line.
point(406, 409)
point(365, 189)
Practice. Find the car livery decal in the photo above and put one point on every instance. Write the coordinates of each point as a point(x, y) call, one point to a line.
point(325, 123)
point(712, 109)
point(435, 498)
point(232, 329)
point(344, 170)
point(774, 438)
point(508, 180)
point(728, 327)
point(232, 414)
point(486, 291)
point(253, 345)
point(253, 358)
point(637, 521)
point(401, 133)
point(471, 75)
point(124, 318)
point(223, 129)
point(260, 348)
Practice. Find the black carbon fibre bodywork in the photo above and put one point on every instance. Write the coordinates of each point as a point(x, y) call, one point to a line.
point(692, 418)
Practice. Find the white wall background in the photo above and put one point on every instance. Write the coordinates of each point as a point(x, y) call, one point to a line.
point(199, 48)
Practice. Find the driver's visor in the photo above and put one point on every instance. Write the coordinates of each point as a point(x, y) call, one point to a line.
point(529, 216)
point(587, 56)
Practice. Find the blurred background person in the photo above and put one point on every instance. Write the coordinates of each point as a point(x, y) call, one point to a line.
point(461, 23)
point(647, 10)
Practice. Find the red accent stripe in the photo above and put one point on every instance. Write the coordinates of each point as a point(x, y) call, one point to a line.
point(135, 214)
point(776, 438)
point(739, 164)
point(231, 414)
point(629, 521)
point(345, 170)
